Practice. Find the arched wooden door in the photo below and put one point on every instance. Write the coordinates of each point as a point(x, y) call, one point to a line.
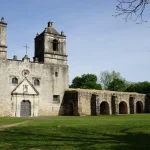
point(25, 109)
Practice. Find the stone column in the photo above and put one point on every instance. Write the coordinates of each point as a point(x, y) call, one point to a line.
point(114, 104)
point(97, 105)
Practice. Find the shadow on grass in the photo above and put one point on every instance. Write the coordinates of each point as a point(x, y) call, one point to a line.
point(71, 138)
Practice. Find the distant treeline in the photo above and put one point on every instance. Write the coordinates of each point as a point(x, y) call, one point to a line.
point(109, 81)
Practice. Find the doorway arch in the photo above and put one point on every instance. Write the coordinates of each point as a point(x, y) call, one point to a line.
point(123, 108)
point(104, 108)
point(25, 110)
point(70, 109)
point(139, 107)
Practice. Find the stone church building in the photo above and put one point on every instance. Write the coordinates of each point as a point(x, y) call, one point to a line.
point(40, 87)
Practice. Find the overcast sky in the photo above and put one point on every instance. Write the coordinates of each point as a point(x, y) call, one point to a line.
point(96, 41)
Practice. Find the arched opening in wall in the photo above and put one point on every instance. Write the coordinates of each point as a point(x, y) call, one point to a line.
point(93, 105)
point(70, 109)
point(55, 45)
point(139, 107)
point(104, 108)
point(122, 108)
point(36, 82)
point(14, 80)
point(25, 109)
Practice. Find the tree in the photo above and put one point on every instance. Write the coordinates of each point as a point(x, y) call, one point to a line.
point(117, 85)
point(86, 81)
point(131, 9)
point(107, 77)
point(140, 87)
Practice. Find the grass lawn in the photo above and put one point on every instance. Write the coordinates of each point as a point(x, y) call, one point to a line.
point(121, 132)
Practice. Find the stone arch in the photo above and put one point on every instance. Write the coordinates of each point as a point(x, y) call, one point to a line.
point(123, 107)
point(139, 107)
point(93, 105)
point(104, 108)
point(25, 109)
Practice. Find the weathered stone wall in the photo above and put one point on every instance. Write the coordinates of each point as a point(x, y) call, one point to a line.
point(44, 46)
point(96, 102)
point(69, 105)
point(49, 84)
point(49, 67)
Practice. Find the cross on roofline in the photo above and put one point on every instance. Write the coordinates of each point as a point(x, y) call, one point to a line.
point(26, 46)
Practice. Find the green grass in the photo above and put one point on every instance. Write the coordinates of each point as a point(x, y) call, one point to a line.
point(122, 132)
point(8, 120)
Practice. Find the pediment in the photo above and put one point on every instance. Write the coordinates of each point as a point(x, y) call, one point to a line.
point(25, 87)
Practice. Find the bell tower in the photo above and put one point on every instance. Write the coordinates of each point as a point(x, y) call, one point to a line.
point(50, 46)
point(3, 46)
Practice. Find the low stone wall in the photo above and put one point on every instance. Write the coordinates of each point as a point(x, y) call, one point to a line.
point(97, 102)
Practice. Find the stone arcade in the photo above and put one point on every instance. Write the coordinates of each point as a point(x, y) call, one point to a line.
point(40, 87)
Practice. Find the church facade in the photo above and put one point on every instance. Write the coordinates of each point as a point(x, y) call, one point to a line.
point(40, 87)
point(34, 88)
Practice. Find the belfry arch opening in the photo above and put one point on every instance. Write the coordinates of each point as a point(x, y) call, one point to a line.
point(55, 45)
point(123, 108)
point(104, 108)
point(139, 107)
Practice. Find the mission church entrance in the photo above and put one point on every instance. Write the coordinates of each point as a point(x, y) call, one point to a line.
point(25, 100)
point(25, 110)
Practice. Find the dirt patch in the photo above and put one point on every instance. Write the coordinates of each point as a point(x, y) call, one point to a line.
point(12, 125)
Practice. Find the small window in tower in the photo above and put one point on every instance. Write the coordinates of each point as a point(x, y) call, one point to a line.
point(36, 82)
point(56, 99)
point(55, 45)
point(14, 80)
point(56, 74)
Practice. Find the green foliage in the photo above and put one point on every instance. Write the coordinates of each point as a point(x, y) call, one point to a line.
point(140, 87)
point(107, 77)
point(112, 80)
point(76, 82)
point(117, 85)
point(86, 81)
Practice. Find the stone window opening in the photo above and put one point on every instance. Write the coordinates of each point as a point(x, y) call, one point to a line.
point(56, 99)
point(36, 82)
point(55, 45)
point(14, 80)
point(56, 74)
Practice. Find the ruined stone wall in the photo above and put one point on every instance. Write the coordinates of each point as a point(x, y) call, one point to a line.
point(96, 102)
